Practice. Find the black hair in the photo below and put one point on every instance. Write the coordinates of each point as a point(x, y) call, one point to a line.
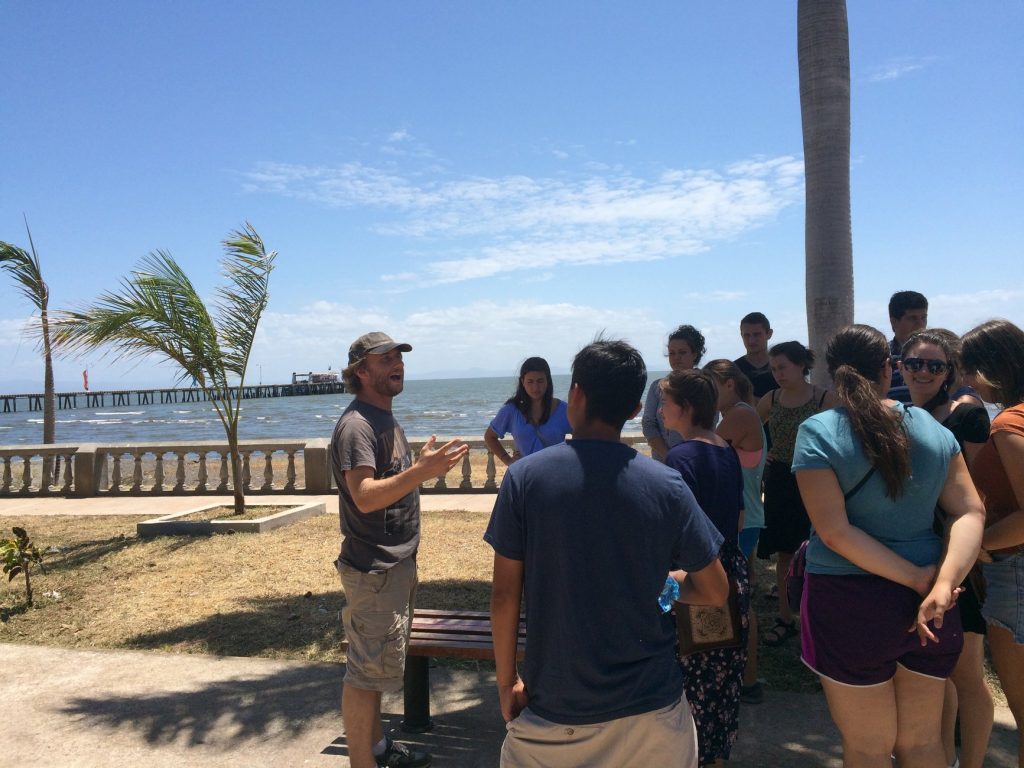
point(795, 352)
point(693, 337)
point(521, 400)
point(613, 376)
point(756, 318)
point(901, 301)
point(855, 357)
point(994, 352)
point(695, 389)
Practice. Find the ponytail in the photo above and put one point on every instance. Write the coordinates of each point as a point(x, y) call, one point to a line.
point(855, 358)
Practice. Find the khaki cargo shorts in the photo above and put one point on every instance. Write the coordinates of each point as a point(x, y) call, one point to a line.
point(376, 619)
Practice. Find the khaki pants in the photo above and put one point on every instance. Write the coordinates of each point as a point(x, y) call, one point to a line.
point(665, 737)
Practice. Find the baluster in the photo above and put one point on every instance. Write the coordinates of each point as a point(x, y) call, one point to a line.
point(66, 488)
point(202, 472)
point(441, 482)
point(268, 471)
point(46, 475)
point(225, 459)
point(489, 484)
point(26, 474)
point(158, 473)
point(7, 474)
point(115, 474)
point(289, 484)
point(103, 481)
point(467, 473)
point(179, 474)
point(137, 473)
point(246, 475)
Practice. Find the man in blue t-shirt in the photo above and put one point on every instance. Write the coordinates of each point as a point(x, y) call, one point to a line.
point(591, 528)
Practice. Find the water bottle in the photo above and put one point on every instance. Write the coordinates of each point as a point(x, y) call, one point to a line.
point(669, 593)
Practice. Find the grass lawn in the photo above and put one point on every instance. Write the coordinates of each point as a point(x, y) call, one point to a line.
point(274, 594)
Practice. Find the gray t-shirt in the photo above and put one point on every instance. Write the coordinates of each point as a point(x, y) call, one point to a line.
point(367, 436)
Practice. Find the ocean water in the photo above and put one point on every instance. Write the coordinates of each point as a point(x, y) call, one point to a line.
point(445, 407)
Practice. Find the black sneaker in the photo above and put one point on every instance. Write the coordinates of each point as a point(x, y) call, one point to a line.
point(398, 755)
point(752, 694)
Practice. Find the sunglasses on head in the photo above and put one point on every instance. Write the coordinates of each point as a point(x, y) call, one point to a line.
point(935, 367)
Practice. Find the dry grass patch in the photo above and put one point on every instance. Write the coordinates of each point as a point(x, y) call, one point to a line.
point(275, 595)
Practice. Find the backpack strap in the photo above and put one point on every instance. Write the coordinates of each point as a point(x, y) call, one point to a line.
point(853, 491)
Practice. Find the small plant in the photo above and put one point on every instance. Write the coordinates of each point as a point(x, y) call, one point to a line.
point(19, 555)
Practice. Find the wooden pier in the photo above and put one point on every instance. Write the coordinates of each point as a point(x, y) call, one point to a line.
point(113, 398)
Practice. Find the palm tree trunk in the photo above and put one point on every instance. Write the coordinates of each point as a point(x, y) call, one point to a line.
point(236, 469)
point(823, 44)
point(50, 468)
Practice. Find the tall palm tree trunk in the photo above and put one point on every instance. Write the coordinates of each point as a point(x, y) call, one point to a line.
point(823, 44)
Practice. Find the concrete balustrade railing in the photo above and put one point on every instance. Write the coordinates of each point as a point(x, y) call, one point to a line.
point(268, 467)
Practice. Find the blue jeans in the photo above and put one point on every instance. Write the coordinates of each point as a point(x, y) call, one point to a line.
point(1004, 594)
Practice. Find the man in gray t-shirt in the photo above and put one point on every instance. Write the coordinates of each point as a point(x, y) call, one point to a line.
point(379, 505)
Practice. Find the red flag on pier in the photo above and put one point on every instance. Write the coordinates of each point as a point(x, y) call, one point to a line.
point(85, 379)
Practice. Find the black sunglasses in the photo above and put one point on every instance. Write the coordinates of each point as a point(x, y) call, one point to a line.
point(935, 367)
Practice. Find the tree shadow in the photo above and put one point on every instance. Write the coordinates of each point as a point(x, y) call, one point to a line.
point(285, 701)
point(82, 553)
point(298, 701)
point(293, 625)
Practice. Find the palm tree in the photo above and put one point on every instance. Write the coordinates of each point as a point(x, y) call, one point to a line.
point(24, 268)
point(823, 44)
point(158, 311)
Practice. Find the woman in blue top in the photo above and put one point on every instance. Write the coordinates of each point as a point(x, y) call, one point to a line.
point(870, 473)
point(533, 415)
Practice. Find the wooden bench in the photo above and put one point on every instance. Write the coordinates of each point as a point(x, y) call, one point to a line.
point(442, 634)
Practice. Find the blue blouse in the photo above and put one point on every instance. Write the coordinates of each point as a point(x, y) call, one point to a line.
point(528, 437)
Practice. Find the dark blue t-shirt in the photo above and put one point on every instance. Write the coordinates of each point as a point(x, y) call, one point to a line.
point(714, 475)
point(598, 526)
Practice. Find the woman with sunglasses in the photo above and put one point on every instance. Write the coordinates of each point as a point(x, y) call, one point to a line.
point(929, 367)
point(533, 415)
point(870, 472)
point(993, 361)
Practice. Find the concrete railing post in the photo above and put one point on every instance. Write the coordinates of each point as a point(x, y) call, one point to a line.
point(87, 471)
point(316, 456)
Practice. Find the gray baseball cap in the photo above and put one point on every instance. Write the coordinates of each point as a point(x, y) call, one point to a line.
point(374, 343)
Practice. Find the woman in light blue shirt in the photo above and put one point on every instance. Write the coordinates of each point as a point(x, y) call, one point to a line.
point(870, 473)
point(533, 415)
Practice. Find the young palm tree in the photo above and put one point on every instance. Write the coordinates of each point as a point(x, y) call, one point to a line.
point(158, 311)
point(24, 268)
point(823, 43)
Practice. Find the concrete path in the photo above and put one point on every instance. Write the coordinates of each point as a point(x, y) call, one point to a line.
point(72, 708)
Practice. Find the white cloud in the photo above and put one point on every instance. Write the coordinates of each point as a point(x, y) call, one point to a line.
point(400, 135)
point(459, 337)
point(899, 67)
point(484, 226)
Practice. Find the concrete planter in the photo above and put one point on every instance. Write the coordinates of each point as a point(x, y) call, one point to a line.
point(174, 525)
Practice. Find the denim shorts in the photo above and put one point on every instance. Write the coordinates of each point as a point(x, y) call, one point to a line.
point(1004, 594)
point(748, 540)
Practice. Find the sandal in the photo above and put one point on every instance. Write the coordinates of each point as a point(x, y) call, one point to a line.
point(779, 633)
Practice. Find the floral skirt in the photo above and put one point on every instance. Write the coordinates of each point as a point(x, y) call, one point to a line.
point(713, 679)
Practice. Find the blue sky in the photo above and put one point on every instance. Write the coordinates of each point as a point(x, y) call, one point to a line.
point(490, 181)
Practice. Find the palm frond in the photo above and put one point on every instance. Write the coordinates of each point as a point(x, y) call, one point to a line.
point(156, 310)
point(247, 266)
point(24, 268)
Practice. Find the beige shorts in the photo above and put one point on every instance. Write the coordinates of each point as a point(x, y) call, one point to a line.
point(662, 737)
point(376, 619)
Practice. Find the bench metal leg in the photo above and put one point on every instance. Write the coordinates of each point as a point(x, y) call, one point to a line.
point(417, 695)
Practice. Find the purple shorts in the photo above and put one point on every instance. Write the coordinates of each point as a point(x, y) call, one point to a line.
point(853, 629)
